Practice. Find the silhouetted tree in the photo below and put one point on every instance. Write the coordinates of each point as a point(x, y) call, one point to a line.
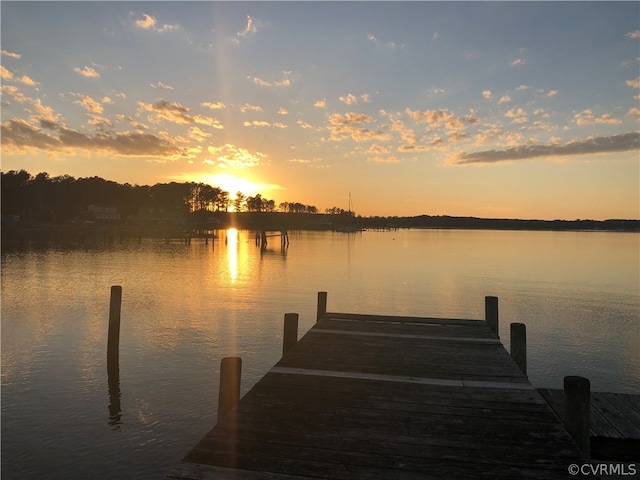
point(238, 203)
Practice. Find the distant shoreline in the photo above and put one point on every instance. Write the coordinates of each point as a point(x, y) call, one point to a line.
point(21, 234)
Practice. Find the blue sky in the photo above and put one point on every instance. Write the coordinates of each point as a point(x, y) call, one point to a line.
point(491, 109)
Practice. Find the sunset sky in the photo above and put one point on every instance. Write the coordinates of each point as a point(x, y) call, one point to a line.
point(501, 109)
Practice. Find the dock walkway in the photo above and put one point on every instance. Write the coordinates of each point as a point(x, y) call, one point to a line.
point(383, 397)
point(614, 422)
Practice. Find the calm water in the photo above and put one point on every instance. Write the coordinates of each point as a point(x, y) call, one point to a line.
point(187, 306)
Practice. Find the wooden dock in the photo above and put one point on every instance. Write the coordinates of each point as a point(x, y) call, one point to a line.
point(385, 397)
point(614, 425)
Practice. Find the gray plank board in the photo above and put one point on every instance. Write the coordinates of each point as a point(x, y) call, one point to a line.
point(616, 420)
point(616, 417)
point(452, 328)
point(404, 357)
point(625, 404)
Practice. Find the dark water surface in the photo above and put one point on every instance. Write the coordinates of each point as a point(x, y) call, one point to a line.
point(186, 306)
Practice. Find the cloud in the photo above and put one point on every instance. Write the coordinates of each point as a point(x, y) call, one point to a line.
point(349, 126)
point(91, 106)
point(177, 113)
point(413, 148)
point(86, 72)
point(504, 99)
point(442, 117)
point(303, 124)
point(633, 35)
point(586, 117)
point(42, 111)
point(349, 99)
point(264, 83)
point(283, 111)
point(523, 87)
point(11, 54)
point(378, 149)
point(407, 134)
point(250, 29)
point(20, 136)
point(517, 62)
point(365, 97)
point(28, 81)
point(321, 103)
point(593, 145)
point(232, 156)
point(635, 83)
point(630, 63)
point(633, 112)
point(518, 115)
point(497, 135)
point(5, 74)
point(15, 93)
point(262, 123)
point(486, 94)
point(198, 135)
point(388, 45)
point(161, 86)
point(168, 28)
point(250, 108)
point(213, 106)
point(259, 81)
point(148, 22)
point(349, 118)
point(552, 93)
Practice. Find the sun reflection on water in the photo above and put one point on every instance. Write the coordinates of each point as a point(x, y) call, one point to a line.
point(232, 253)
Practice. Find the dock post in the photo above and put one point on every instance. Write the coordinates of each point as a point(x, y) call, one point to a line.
point(113, 339)
point(229, 390)
point(519, 345)
point(322, 305)
point(290, 337)
point(491, 313)
point(577, 411)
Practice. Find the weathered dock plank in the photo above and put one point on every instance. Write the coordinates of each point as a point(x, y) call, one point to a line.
point(379, 397)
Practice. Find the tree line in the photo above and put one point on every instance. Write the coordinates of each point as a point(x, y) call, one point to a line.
point(42, 198)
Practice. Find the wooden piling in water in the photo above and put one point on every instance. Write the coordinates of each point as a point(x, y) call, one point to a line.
point(229, 390)
point(113, 339)
point(491, 313)
point(290, 337)
point(577, 411)
point(519, 345)
point(322, 305)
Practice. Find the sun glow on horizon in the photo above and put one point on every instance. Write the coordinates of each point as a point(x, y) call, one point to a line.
point(233, 184)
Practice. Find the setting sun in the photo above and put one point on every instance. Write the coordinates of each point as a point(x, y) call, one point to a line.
point(232, 184)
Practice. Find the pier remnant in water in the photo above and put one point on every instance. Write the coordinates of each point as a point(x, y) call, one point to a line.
point(518, 348)
point(491, 313)
point(577, 411)
point(229, 390)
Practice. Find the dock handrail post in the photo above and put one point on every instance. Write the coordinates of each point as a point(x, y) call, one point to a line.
point(577, 411)
point(491, 313)
point(229, 390)
point(290, 337)
point(113, 339)
point(519, 345)
point(322, 305)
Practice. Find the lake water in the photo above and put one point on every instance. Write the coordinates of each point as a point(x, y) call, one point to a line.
point(185, 307)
